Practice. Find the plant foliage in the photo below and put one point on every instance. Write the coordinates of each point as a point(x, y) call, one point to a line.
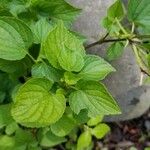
point(51, 90)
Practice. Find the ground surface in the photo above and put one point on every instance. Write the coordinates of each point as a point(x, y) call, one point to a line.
point(128, 135)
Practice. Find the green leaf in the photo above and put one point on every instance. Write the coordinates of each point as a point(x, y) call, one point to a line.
point(18, 142)
point(94, 97)
point(18, 67)
point(63, 126)
point(142, 58)
point(100, 130)
point(95, 68)
point(7, 143)
point(71, 60)
point(11, 128)
point(42, 69)
point(35, 106)
point(106, 23)
point(17, 6)
point(116, 11)
point(6, 86)
point(62, 49)
point(4, 3)
point(24, 137)
point(146, 46)
point(50, 140)
point(5, 115)
point(2, 96)
point(56, 9)
point(144, 29)
point(41, 29)
point(71, 78)
point(21, 141)
point(79, 36)
point(138, 11)
point(15, 90)
point(94, 121)
point(148, 59)
point(28, 16)
point(82, 117)
point(84, 140)
point(133, 148)
point(15, 39)
point(115, 51)
point(110, 26)
point(4, 11)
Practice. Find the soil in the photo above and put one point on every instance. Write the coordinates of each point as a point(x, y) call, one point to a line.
point(128, 135)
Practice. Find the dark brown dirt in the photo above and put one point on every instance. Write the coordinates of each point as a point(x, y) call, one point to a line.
point(133, 134)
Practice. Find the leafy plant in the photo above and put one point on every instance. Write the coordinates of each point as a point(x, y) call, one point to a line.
point(51, 89)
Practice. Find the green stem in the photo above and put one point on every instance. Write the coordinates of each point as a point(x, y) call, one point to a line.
point(73, 87)
point(139, 60)
point(31, 57)
point(133, 28)
point(121, 27)
point(135, 52)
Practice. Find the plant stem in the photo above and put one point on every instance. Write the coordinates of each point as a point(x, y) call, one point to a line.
point(31, 57)
point(101, 41)
point(121, 27)
point(139, 60)
point(133, 28)
point(141, 78)
point(73, 87)
point(105, 36)
point(98, 42)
